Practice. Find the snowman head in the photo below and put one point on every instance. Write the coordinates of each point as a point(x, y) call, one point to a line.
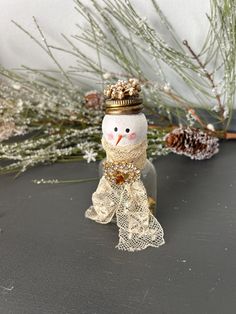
point(122, 130)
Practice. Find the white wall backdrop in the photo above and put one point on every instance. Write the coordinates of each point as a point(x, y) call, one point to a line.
point(59, 16)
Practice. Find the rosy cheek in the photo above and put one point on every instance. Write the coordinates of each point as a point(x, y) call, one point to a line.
point(132, 136)
point(110, 136)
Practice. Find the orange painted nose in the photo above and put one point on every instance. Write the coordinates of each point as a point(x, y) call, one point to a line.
point(118, 139)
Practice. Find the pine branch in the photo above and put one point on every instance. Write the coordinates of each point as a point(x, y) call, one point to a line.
point(55, 106)
point(208, 76)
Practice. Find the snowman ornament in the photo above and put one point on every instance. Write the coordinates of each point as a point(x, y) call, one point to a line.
point(121, 192)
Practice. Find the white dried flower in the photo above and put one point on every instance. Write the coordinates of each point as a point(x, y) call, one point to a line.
point(73, 117)
point(215, 91)
point(123, 89)
point(211, 127)
point(131, 91)
point(16, 86)
point(120, 95)
point(106, 76)
point(226, 112)
point(167, 87)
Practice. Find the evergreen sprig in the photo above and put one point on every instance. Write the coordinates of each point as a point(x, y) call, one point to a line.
point(49, 106)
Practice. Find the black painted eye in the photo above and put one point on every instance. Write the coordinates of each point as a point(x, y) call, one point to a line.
point(115, 129)
point(127, 130)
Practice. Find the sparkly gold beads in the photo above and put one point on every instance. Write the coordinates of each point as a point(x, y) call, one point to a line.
point(121, 172)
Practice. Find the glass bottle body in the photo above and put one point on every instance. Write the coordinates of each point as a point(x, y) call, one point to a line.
point(149, 179)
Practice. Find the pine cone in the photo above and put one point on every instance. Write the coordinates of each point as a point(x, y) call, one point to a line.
point(192, 142)
point(93, 100)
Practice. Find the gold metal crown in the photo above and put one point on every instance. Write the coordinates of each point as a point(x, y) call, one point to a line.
point(123, 97)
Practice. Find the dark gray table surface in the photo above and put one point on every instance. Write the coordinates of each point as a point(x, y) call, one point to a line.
point(53, 260)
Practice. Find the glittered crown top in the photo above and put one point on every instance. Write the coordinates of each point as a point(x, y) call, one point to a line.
point(123, 97)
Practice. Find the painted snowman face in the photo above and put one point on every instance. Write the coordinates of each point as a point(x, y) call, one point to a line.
point(122, 130)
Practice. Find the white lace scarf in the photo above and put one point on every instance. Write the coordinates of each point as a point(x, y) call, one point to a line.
point(138, 228)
